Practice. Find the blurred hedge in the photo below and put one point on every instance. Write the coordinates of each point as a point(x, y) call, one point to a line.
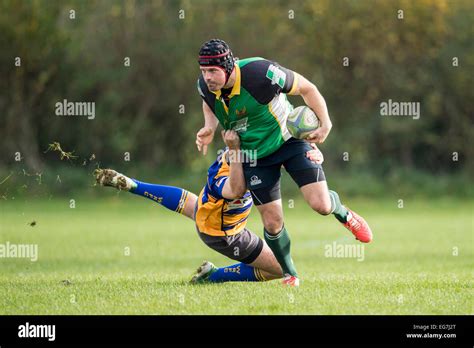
point(137, 107)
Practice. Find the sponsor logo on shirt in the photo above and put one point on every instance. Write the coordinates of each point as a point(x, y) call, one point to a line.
point(276, 75)
point(240, 126)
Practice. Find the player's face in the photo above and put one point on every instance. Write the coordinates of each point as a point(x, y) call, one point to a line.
point(214, 78)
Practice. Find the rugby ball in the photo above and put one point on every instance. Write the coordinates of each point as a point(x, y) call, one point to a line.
point(301, 122)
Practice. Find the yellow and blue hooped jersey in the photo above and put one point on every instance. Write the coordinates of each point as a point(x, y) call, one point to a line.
point(215, 215)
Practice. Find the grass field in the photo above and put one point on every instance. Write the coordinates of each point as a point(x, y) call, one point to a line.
point(420, 261)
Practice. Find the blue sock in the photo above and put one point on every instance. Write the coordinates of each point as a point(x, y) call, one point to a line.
point(173, 198)
point(236, 273)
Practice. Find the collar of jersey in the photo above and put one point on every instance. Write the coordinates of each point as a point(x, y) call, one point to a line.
point(235, 88)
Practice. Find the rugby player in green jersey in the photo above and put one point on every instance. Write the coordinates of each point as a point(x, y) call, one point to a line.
point(249, 97)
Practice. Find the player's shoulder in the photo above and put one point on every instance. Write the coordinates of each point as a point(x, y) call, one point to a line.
point(264, 78)
point(255, 67)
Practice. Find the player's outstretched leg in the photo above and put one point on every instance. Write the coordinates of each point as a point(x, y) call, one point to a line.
point(326, 202)
point(351, 220)
point(173, 198)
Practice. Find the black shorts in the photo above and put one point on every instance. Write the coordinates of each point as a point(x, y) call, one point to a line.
point(263, 179)
point(244, 246)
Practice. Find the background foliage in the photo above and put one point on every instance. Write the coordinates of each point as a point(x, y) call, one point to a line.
point(137, 107)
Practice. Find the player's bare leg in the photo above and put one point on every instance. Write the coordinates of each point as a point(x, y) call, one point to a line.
point(268, 264)
point(326, 202)
point(272, 216)
point(316, 195)
point(189, 206)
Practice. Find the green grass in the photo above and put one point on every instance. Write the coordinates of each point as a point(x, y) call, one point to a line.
point(408, 269)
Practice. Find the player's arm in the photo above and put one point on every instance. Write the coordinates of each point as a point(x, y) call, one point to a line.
point(235, 185)
point(314, 99)
point(210, 119)
point(206, 134)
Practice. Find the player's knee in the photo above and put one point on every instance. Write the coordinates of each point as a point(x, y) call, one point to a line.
point(322, 207)
point(273, 227)
point(273, 222)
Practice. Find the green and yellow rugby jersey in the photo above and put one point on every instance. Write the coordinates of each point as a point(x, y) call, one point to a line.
point(257, 107)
